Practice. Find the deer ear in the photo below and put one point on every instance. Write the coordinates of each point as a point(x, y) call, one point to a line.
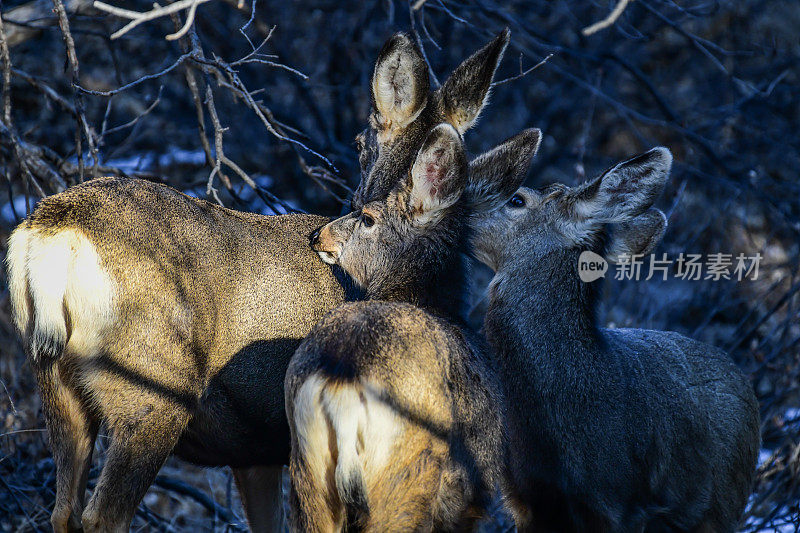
point(637, 236)
point(399, 83)
point(438, 175)
point(466, 91)
point(625, 191)
point(496, 175)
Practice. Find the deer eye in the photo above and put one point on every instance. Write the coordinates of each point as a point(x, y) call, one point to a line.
point(517, 201)
point(367, 220)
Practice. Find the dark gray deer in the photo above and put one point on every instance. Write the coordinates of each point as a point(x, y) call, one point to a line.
point(171, 320)
point(610, 429)
point(393, 408)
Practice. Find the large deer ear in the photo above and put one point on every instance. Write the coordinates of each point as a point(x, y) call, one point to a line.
point(439, 174)
point(625, 191)
point(496, 175)
point(638, 236)
point(399, 83)
point(466, 91)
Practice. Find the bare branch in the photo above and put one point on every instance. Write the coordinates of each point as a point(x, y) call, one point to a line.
point(417, 38)
point(46, 90)
point(178, 62)
point(29, 19)
point(136, 119)
point(5, 56)
point(609, 20)
point(72, 56)
point(137, 17)
point(522, 73)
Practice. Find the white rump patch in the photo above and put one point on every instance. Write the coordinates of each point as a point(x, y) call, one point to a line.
point(312, 429)
point(365, 430)
point(18, 277)
point(55, 275)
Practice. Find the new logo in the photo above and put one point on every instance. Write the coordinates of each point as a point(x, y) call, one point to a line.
point(591, 266)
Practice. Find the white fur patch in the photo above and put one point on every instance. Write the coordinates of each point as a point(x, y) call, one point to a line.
point(366, 430)
point(357, 413)
point(381, 430)
point(18, 277)
point(90, 296)
point(58, 273)
point(347, 416)
point(312, 428)
point(327, 257)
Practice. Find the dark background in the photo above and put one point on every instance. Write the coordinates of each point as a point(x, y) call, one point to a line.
point(716, 82)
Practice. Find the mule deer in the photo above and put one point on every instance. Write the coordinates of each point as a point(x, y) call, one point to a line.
point(392, 406)
point(610, 429)
point(172, 320)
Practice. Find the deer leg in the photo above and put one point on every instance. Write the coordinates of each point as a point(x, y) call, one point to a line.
point(261, 490)
point(140, 443)
point(72, 432)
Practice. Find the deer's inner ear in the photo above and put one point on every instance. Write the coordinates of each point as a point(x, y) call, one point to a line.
point(438, 176)
point(625, 191)
point(400, 83)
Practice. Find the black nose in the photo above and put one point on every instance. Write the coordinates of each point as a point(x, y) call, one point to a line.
point(314, 237)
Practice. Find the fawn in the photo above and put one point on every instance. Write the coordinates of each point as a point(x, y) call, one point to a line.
point(171, 320)
point(610, 429)
point(393, 408)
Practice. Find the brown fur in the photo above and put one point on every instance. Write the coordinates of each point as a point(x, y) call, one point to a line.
point(411, 361)
point(393, 409)
point(195, 315)
point(184, 304)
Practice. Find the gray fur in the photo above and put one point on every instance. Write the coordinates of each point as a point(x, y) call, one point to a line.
point(611, 430)
point(497, 174)
point(457, 103)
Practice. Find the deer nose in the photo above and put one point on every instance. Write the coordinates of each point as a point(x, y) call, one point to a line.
point(315, 237)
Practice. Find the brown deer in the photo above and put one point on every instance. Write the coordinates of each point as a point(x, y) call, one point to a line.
point(171, 320)
point(394, 409)
point(610, 429)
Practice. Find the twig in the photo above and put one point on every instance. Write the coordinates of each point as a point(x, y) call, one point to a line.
point(5, 56)
point(609, 20)
point(136, 119)
point(139, 81)
point(180, 487)
point(222, 159)
point(46, 90)
point(417, 38)
point(137, 17)
point(239, 88)
point(7, 125)
point(189, 42)
point(72, 56)
point(521, 73)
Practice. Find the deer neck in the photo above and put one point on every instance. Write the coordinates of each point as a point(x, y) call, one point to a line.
point(431, 275)
point(549, 305)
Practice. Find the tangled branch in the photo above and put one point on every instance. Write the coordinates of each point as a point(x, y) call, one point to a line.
point(137, 17)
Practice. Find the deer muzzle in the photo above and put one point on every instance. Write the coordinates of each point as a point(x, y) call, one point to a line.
point(325, 245)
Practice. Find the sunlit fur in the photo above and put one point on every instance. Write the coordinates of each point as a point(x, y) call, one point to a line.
point(58, 283)
point(394, 410)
